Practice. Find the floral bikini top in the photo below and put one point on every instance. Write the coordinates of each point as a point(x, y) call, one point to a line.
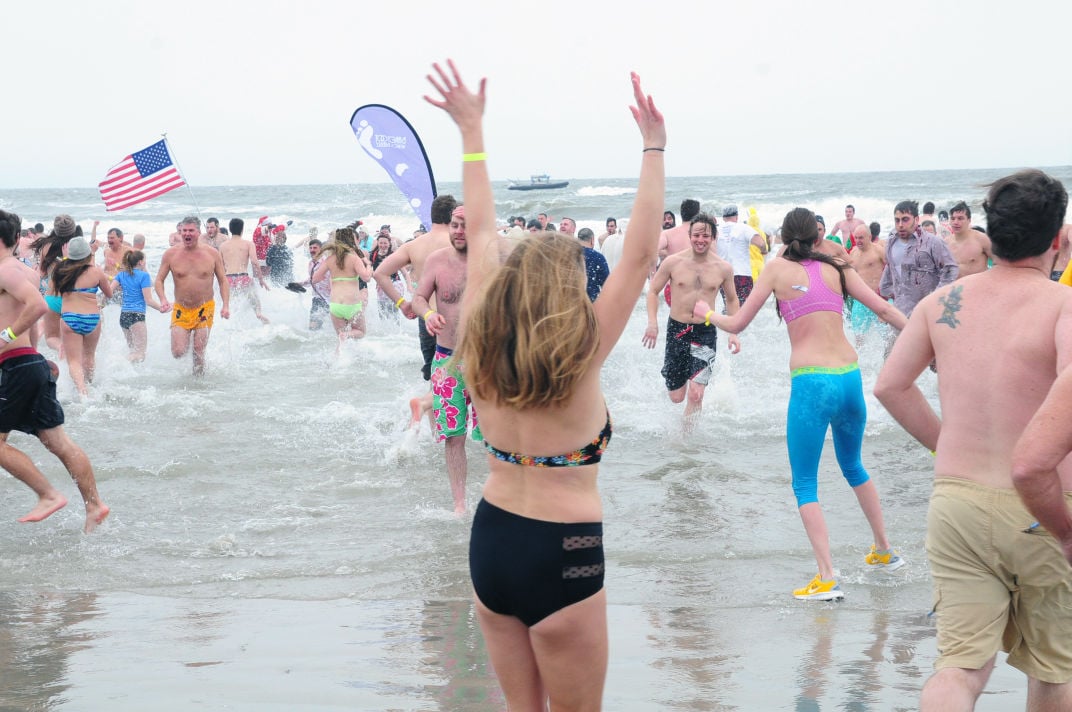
point(590, 454)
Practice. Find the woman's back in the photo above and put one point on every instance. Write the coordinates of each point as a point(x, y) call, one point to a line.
point(817, 336)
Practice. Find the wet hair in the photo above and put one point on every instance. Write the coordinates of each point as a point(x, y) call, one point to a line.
point(66, 273)
point(800, 233)
point(1024, 213)
point(612, 220)
point(190, 220)
point(910, 207)
point(961, 207)
point(670, 213)
point(344, 243)
point(49, 248)
point(875, 229)
point(532, 334)
point(706, 220)
point(928, 208)
point(850, 206)
point(689, 209)
point(9, 228)
point(236, 225)
point(131, 260)
point(214, 221)
point(117, 231)
point(442, 207)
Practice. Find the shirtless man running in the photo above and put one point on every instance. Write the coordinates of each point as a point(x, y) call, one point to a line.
point(414, 253)
point(868, 259)
point(192, 266)
point(692, 274)
point(444, 273)
point(970, 248)
point(239, 256)
point(28, 392)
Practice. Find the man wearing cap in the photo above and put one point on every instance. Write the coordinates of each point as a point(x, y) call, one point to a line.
point(28, 391)
point(733, 245)
point(192, 266)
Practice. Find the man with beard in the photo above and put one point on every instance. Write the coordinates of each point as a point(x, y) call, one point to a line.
point(444, 276)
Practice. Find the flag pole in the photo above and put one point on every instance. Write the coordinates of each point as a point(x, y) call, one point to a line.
point(183, 173)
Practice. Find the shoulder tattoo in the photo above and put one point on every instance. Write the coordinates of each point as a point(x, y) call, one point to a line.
point(950, 306)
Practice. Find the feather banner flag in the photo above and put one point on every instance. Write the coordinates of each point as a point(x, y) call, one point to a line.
point(390, 140)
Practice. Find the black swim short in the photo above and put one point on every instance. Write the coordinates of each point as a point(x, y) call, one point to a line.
point(529, 568)
point(28, 395)
point(428, 344)
point(690, 354)
point(129, 319)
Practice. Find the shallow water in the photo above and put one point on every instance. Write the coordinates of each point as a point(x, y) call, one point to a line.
point(278, 540)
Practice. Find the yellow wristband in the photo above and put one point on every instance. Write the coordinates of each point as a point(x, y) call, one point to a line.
point(707, 317)
point(399, 302)
point(8, 335)
point(430, 311)
point(474, 157)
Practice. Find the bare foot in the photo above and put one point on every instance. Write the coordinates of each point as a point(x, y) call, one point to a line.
point(263, 318)
point(45, 507)
point(460, 509)
point(95, 514)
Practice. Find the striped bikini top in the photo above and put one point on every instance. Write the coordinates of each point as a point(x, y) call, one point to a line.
point(590, 454)
point(816, 295)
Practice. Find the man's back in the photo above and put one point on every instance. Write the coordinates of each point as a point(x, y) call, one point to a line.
point(237, 253)
point(418, 249)
point(999, 338)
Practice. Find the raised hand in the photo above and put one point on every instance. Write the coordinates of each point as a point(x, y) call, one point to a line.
point(465, 107)
point(648, 118)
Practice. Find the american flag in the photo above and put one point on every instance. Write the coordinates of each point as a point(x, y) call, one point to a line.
point(139, 177)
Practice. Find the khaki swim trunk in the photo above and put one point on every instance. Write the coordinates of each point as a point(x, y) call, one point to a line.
point(997, 585)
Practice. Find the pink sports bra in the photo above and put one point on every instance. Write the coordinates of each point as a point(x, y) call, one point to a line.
point(816, 295)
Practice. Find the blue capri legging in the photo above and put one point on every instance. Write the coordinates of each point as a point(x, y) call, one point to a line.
point(820, 398)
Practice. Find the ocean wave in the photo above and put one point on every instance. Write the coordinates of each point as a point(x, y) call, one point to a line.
point(601, 190)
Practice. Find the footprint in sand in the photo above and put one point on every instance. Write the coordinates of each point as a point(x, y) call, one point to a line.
point(364, 137)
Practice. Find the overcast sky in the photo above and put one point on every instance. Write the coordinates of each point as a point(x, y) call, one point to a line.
point(262, 92)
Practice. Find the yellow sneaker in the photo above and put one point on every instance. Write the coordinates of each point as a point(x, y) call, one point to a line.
point(888, 560)
point(819, 590)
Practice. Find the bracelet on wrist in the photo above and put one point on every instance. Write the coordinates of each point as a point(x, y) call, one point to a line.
point(427, 313)
point(654, 148)
point(474, 157)
point(398, 304)
point(707, 317)
point(8, 335)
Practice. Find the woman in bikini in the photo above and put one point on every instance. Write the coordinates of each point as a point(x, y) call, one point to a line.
point(350, 271)
point(50, 249)
point(77, 280)
point(827, 391)
point(532, 349)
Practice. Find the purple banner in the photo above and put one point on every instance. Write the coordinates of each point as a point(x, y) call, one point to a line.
point(385, 135)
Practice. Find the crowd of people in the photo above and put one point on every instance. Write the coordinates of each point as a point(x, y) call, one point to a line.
point(515, 322)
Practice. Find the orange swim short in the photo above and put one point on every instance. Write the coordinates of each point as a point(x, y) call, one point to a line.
point(191, 318)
